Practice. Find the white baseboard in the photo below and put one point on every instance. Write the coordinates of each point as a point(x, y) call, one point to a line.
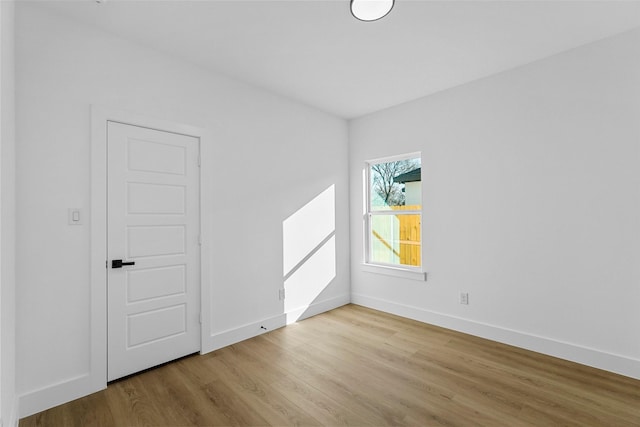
point(250, 330)
point(56, 394)
point(586, 356)
point(241, 333)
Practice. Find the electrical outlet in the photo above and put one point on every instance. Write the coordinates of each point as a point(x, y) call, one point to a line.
point(74, 216)
point(464, 298)
point(281, 294)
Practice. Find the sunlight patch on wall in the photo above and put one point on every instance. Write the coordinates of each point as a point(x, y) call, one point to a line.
point(309, 252)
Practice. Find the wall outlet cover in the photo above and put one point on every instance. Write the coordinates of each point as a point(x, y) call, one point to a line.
point(464, 298)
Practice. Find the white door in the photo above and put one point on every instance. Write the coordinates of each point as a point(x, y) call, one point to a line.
point(153, 228)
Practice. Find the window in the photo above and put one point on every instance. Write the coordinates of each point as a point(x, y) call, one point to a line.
point(394, 212)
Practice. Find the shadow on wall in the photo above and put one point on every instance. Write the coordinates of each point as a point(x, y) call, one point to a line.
point(309, 253)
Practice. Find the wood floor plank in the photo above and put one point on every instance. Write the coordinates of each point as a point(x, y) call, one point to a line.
point(354, 366)
point(182, 400)
point(597, 399)
point(485, 389)
point(415, 398)
point(275, 408)
point(319, 405)
point(132, 401)
point(236, 411)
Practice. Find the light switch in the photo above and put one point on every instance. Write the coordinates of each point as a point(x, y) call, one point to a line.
point(75, 216)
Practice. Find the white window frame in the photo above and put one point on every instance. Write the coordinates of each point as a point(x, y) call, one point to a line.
point(399, 270)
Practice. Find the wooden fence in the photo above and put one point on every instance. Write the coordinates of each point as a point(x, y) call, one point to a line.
point(410, 232)
point(401, 244)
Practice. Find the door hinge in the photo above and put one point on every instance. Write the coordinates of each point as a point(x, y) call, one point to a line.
point(200, 239)
point(201, 318)
point(199, 160)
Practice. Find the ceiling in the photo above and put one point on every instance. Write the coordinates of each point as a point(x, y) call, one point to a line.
point(317, 53)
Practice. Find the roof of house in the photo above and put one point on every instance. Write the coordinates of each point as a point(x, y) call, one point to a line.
point(410, 176)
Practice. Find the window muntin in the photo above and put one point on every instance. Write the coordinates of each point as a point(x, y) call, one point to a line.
point(394, 212)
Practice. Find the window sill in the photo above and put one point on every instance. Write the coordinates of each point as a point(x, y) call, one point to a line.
point(396, 272)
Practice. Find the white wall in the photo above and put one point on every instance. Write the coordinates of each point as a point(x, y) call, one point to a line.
point(271, 157)
point(531, 205)
point(8, 397)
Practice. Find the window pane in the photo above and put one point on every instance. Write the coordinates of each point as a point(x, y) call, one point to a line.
point(396, 184)
point(395, 239)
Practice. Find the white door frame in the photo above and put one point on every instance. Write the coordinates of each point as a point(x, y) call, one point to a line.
point(98, 224)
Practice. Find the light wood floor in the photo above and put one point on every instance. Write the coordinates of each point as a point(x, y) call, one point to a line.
point(355, 366)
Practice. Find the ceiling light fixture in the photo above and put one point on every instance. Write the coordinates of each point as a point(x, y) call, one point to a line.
point(371, 10)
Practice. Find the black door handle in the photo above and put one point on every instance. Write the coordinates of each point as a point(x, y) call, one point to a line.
point(117, 263)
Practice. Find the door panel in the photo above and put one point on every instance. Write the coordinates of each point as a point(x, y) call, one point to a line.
point(155, 241)
point(155, 283)
point(153, 156)
point(153, 221)
point(154, 199)
point(153, 325)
